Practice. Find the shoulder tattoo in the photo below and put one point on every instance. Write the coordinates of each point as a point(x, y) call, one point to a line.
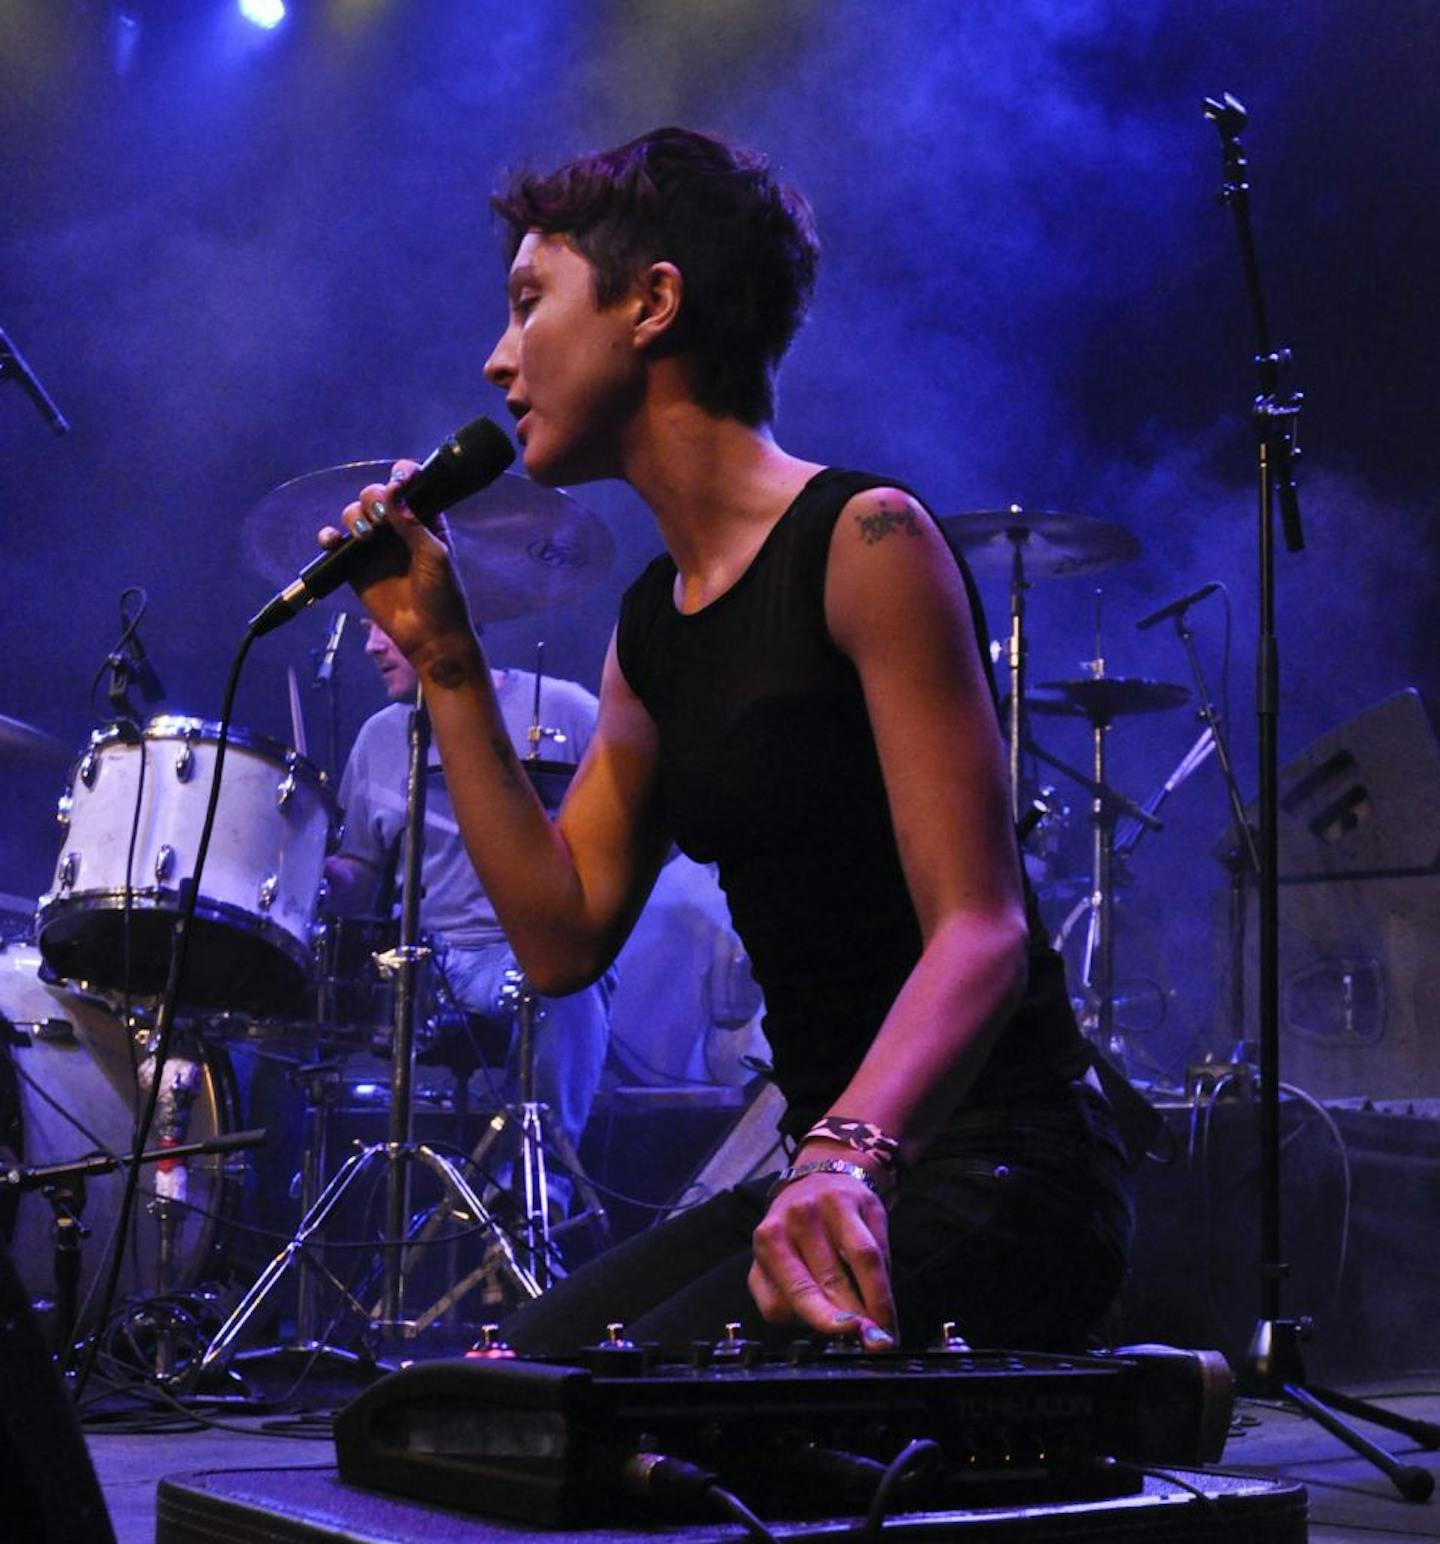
point(885, 521)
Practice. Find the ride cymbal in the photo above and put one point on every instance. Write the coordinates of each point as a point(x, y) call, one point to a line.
point(519, 548)
point(1050, 543)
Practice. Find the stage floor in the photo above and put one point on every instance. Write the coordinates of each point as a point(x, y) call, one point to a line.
point(1349, 1500)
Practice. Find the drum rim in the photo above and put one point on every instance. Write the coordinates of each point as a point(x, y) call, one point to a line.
point(159, 899)
point(182, 726)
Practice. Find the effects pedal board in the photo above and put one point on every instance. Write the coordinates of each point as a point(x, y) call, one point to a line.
point(622, 1432)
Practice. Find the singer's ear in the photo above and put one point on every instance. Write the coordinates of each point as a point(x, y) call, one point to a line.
point(659, 295)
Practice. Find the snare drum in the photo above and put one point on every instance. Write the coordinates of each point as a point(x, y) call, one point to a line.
point(69, 1091)
point(260, 891)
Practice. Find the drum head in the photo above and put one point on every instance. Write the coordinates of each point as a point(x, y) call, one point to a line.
point(231, 959)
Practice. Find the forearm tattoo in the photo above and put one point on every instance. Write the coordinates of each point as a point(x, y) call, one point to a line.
point(447, 674)
point(505, 755)
point(877, 526)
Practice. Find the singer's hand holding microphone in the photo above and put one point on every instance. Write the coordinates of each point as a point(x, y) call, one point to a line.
point(409, 586)
point(393, 548)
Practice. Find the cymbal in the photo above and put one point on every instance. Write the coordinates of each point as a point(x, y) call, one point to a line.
point(22, 745)
point(1050, 543)
point(519, 548)
point(1101, 698)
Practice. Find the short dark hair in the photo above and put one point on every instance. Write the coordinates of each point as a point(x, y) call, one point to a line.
point(744, 244)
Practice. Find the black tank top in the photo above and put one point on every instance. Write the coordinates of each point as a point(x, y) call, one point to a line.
point(769, 769)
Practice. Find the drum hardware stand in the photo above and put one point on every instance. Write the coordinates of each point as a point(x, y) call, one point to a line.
point(400, 1151)
point(538, 1254)
point(1273, 1365)
point(14, 367)
point(63, 1186)
point(326, 679)
point(529, 1112)
point(1015, 652)
point(320, 1082)
point(1242, 861)
point(1106, 804)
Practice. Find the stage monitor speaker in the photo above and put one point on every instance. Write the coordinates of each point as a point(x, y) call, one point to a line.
point(1358, 832)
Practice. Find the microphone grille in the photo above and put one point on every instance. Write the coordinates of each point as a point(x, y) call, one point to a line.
point(483, 452)
point(471, 459)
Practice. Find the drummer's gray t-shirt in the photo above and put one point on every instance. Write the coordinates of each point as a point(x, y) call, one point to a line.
point(372, 798)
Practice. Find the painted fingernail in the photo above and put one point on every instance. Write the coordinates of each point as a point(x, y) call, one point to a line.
point(875, 1336)
point(362, 525)
point(378, 511)
point(843, 1317)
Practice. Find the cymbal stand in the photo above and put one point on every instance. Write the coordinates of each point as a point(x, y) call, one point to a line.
point(538, 1254)
point(1015, 651)
point(400, 1151)
point(1273, 1365)
point(1098, 907)
point(1243, 861)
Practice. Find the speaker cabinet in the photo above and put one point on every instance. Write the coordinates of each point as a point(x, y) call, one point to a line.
point(1358, 832)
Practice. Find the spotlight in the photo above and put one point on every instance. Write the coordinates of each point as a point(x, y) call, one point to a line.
point(263, 13)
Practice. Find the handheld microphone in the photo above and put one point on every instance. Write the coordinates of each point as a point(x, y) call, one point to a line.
point(1177, 606)
point(13, 366)
point(471, 459)
point(326, 668)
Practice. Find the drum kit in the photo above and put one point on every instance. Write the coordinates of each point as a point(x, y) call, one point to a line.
point(270, 971)
point(267, 970)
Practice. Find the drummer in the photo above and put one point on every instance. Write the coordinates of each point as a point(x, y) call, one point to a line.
point(457, 920)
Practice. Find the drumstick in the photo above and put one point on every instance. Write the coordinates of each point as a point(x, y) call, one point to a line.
point(297, 718)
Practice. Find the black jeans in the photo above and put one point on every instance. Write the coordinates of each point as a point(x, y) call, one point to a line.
point(1015, 1226)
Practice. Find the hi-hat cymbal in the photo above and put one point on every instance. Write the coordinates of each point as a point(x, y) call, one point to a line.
point(1101, 698)
point(22, 745)
point(1050, 543)
point(520, 548)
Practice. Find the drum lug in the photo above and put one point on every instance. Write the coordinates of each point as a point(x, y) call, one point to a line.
point(164, 863)
point(285, 790)
point(68, 871)
point(185, 763)
point(269, 889)
point(63, 806)
point(89, 767)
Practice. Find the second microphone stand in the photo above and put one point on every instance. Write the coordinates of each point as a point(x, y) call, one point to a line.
point(1273, 1365)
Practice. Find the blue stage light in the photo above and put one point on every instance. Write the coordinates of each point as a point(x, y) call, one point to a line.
point(263, 13)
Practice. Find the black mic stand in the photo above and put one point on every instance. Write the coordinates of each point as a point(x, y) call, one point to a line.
point(63, 1186)
point(1273, 1366)
point(400, 1151)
